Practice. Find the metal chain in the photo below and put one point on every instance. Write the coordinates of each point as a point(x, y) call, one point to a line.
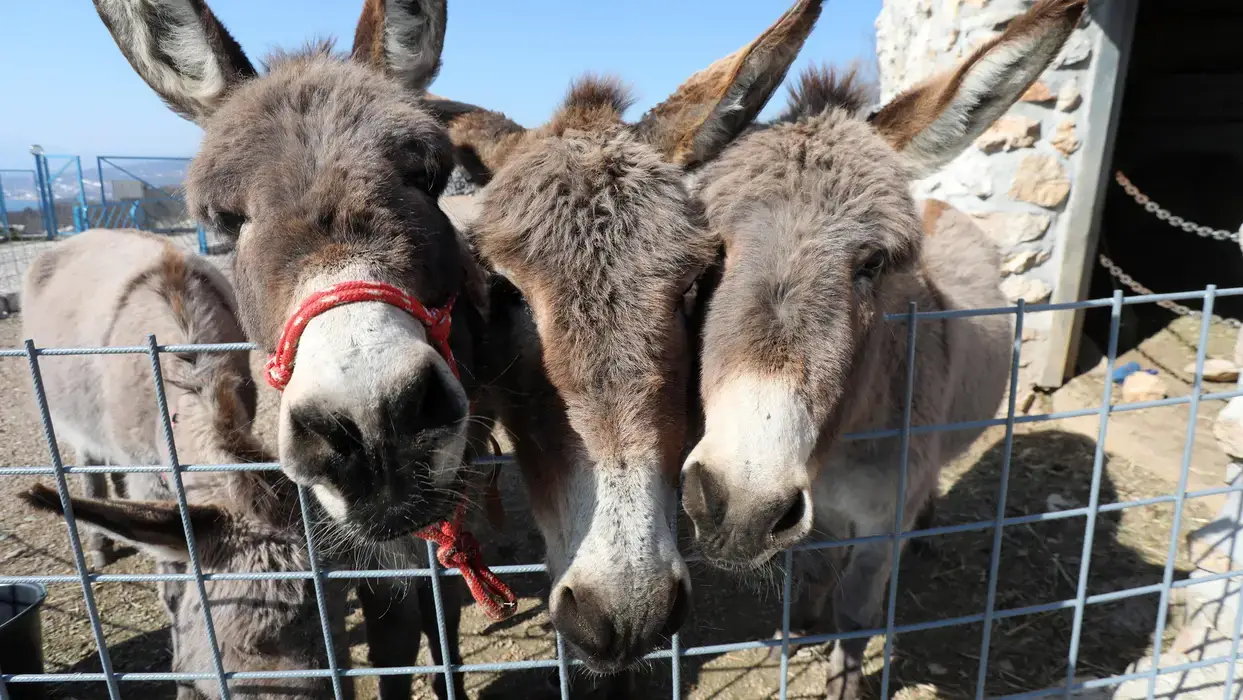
point(1130, 283)
point(1173, 220)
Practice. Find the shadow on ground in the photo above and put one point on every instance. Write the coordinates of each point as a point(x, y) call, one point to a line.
point(1039, 564)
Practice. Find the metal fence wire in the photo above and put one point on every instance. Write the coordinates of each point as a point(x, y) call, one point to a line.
point(907, 323)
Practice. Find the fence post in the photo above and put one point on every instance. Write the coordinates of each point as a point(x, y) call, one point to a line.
point(46, 203)
point(77, 160)
point(103, 194)
point(202, 238)
point(4, 212)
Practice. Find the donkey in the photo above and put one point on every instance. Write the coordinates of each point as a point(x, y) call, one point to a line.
point(260, 625)
point(587, 222)
point(324, 171)
point(111, 287)
point(821, 239)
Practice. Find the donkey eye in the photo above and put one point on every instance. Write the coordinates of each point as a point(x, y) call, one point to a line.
point(872, 267)
point(229, 223)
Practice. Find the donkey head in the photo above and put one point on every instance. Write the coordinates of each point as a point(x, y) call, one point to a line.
point(321, 170)
point(588, 218)
point(260, 625)
point(821, 239)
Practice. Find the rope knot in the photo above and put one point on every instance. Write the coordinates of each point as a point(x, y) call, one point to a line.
point(458, 549)
point(461, 553)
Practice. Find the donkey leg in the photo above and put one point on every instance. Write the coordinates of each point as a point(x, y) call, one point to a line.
point(99, 549)
point(925, 546)
point(451, 599)
point(858, 605)
point(119, 485)
point(620, 686)
point(391, 617)
point(816, 575)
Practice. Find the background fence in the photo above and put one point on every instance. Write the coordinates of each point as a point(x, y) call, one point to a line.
point(785, 644)
point(62, 196)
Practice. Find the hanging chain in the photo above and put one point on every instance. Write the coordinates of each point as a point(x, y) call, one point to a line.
point(1130, 283)
point(1173, 220)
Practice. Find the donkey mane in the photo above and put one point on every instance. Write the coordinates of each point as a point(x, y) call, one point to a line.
point(192, 298)
point(823, 87)
point(593, 102)
point(313, 48)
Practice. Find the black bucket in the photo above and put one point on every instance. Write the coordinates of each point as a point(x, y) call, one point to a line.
point(21, 636)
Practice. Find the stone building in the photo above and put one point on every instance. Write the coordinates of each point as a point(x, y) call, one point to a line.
point(1148, 89)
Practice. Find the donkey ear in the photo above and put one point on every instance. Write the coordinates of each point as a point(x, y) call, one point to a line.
point(180, 49)
point(482, 139)
point(933, 123)
point(152, 526)
point(403, 38)
point(716, 104)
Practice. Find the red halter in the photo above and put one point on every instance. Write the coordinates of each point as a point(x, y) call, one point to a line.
point(455, 547)
point(437, 322)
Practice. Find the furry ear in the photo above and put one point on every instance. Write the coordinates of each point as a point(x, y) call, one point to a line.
point(180, 49)
point(152, 526)
point(403, 38)
point(934, 122)
point(712, 107)
point(482, 139)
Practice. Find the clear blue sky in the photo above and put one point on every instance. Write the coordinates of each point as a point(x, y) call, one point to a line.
point(67, 87)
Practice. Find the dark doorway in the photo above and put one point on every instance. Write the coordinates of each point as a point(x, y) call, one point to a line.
point(1180, 141)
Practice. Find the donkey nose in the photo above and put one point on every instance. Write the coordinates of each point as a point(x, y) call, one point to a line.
point(424, 403)
point(742, 527)
point(613, 629)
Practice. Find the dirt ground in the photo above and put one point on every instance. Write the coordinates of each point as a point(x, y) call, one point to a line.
point(1051, 469)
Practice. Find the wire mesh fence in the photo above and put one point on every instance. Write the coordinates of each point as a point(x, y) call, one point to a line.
point(785, 644)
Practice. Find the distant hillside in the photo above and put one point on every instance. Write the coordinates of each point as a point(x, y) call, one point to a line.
point(160, 173)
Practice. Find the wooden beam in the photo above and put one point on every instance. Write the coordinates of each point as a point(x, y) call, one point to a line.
point(1116, 19)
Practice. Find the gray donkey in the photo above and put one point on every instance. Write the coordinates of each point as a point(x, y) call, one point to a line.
point(593, 333)
point(821, 239)
point(112, 287)
point(260, 625)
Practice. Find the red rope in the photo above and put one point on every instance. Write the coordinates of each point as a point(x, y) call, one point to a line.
point(437, 321)
point(455, 547)
point(458, 549)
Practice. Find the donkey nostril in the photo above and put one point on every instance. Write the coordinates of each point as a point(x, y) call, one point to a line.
point(338, 430)
point(702, 497)
point(583, 621)
point(793, 516)
point(427, 404)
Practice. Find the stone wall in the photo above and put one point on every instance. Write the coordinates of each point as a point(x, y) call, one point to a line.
point(1016, 179)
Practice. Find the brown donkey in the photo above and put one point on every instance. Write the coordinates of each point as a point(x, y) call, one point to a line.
point(113, 287)
point(821, 240)
point(588, 218)
point(325, 169)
